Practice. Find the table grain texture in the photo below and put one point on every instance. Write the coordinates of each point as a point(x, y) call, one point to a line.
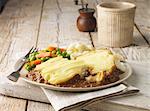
point(25, 23)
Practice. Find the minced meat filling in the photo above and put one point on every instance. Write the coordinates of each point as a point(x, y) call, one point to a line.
point(78, 81)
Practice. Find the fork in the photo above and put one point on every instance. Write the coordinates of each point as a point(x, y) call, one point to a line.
point(16, 74)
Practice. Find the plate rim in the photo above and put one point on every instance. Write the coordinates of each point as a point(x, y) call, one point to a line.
point(70, 89)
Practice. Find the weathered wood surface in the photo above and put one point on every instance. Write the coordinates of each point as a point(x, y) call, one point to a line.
point(12, 104)
point(37, 106)
point(43, 22)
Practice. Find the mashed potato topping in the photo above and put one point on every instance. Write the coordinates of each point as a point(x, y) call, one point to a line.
point(78, 49)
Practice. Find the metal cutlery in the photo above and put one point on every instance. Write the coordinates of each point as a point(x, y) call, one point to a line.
point(16, 74)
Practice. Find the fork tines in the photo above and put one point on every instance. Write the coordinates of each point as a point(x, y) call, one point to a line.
point(33, 49)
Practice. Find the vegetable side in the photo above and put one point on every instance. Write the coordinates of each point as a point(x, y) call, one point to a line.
point(40, 56)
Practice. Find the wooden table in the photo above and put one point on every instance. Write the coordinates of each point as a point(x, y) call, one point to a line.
point(25, 23)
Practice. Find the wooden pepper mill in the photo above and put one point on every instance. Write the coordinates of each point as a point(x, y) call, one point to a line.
point(86, 22)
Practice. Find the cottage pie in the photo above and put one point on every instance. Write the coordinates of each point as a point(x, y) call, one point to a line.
point(90, 69)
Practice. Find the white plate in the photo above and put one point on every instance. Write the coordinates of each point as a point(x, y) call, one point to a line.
point(123, 77)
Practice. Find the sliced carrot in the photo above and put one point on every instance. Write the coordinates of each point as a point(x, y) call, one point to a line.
point(44, 54)
point(62, 49)
point(36, 62)
point(50, 48)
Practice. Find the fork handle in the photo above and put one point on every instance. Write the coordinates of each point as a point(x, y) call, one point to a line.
point(14, 76)
point(21, 66)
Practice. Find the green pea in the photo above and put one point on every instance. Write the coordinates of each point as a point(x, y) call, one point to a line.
point(30, 55)
point(47, 57)
point(32, 58)
point(28, 59)
point(54, 52)
point(34, 53)
point(58, 53)
point(28, 67)
point(68, 56)
point(43, 59)
point(58, 49)
point(54, 55)
point(47, 50)
point(33, 66)
point(64, 54)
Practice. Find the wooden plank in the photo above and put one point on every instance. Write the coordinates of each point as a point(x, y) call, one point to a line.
point(37, 106)
point(7, 21)
point(68, 6)
point(68, 32)
point(12, 104)
point(142, 19)
point(137, 53)
point(138, 39)
point(48, 32)
point(145, 32)
point(23, 27)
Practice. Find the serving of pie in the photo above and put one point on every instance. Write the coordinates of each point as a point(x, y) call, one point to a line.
point(83, 69)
